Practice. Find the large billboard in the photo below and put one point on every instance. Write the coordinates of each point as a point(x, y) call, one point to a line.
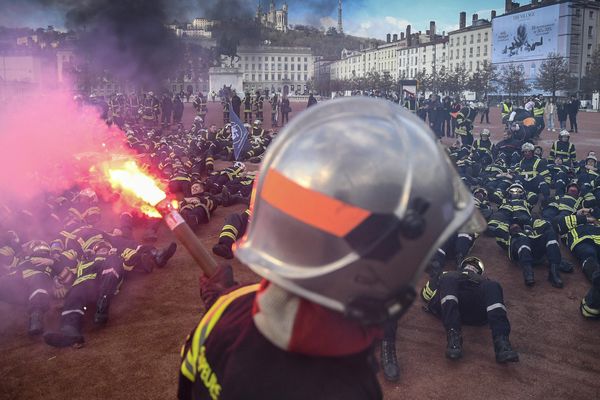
point(526, 38)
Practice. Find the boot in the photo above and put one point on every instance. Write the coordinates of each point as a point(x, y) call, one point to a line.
point(162, 256)
point(454, 346)
point(101, 316)
point(554, 276)
point(528, 275)
point(225, 197)
point(504, 351)
point(69, 334)
point(588, 266)
point(389, 361)
point(223, 250)
point(566, 267)
point(36, 323)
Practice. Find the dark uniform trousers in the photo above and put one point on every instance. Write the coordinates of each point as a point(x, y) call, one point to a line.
point(467, 298)
point(527, 250)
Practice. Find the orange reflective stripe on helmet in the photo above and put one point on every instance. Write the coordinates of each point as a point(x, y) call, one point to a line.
point(312, 208)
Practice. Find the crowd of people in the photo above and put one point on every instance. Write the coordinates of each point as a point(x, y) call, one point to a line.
point(529, 200)
point(62, 245)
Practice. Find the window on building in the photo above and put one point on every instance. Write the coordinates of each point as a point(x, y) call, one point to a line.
point(245, 58)
point(305, 77)
point(591, 14)
point(479, 37)
point(470, 52)
point(285, 67)
point(590, 31)
point(485, 50)
point(464, 53)
point(423, 58)
point(278, 77)
point(259, 67)
point(471, 39)
point(272, 67)
point(253, 77)
point(266, 77)
point(292, 66)
point(246, 66)
point(252, 58)
point(272, 77)
point(485, 37)
point(285, 59)
point(305, 59)
point(478, 65)
point(292, 60)
point(279, 66)
point(465, 39)
point(306, 67)
point(298, 77)
point(259, 58)
point(478, 51)
point(253, 65)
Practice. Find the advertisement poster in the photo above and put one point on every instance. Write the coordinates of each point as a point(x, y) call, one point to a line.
point(526, 36)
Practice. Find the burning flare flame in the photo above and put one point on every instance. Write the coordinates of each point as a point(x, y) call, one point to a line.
point(131, 180)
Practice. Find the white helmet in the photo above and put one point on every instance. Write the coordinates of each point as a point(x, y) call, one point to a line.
point(485, 133)
point(355, 243)
point(564, 134)
point(198, 118)
point(239, 165)
point(527, 147)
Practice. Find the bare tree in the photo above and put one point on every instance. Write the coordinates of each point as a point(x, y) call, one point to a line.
point(484, 80)
point(512, 80)
point(554, 75)
point(591, 82)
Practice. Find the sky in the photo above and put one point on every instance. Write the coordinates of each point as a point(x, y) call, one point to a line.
point(367, 18)
point(375, 18)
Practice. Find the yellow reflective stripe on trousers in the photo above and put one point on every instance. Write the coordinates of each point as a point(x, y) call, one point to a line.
point(84, 278)
point(206, 325)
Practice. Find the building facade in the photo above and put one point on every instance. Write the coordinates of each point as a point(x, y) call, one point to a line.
point(273, 18)
point(470, 46)
point(279, 69)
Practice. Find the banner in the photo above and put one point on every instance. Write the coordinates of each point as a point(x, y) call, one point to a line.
point(527, 36)
point(239, 133)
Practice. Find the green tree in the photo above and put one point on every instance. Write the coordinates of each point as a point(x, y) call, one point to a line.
point(554, 75)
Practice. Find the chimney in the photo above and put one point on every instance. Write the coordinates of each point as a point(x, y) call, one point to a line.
point(401, 35)
point(507, 5)
point(388, 38)
point(475, 18)
point(493, 14)
point(395, 37)
point(463, 20)
point(408, 38)
point(432, 29)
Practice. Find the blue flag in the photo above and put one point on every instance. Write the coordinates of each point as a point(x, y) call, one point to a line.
point(239, 133)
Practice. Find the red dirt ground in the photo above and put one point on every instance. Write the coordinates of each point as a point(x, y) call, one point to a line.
point(136, 356)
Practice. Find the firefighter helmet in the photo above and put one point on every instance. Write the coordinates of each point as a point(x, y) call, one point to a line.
point(516, 191)
point(485, 134)
point(38, 248)
point(239, 165)
point(527, 147)
point(473, 264)
point(564, 135)
point(258, 123)
point(344, 231)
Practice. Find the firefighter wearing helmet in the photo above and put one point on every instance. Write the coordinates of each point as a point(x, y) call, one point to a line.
point(466, 297)
point(30, 282)
point(533, 173)
point(564, 149)
point(484, 148)
point(339, 253)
